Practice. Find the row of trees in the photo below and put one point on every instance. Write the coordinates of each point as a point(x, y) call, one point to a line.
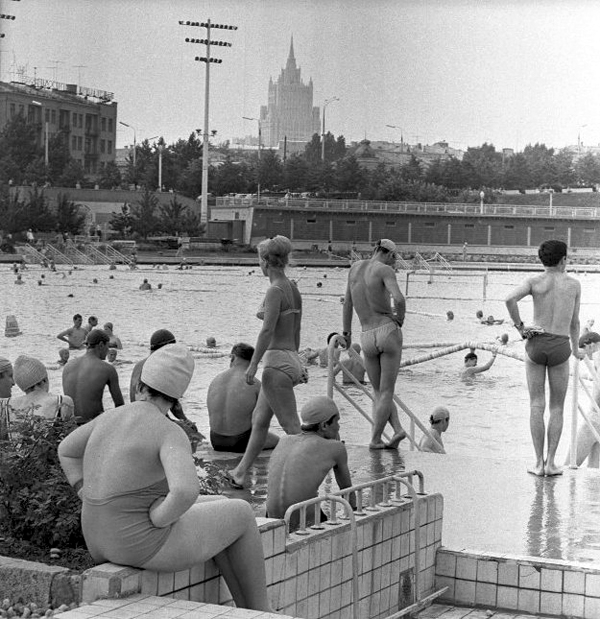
point(22, 161)
point(142, 218)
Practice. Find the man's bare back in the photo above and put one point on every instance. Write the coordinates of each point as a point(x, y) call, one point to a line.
point(370, 297)
point(297, 468)
point(554, 297)
point(230, 401)
point(84, 380)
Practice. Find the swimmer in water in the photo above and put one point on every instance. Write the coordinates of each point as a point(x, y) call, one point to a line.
point(75, 335)
point(471, 368)
point(439, 420)
point(145, 285)
point(63, 354)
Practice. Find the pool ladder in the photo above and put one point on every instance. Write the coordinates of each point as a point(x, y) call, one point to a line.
point(390, 491)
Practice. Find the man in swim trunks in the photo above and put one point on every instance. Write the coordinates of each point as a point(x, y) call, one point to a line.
point(550, 344)
point(300, 462)
point(371, 282)
point(84, 378)
point(230, 401)
point(471, 368)
point(75, 335)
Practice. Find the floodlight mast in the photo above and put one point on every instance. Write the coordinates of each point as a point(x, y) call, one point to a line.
point(207, 60)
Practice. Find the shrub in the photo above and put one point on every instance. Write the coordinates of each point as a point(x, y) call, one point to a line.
point(36, 501)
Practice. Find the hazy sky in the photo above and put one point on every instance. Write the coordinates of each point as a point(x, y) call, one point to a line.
point(467, 71)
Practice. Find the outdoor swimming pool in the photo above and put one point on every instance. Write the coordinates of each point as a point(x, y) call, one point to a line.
point(489, 415)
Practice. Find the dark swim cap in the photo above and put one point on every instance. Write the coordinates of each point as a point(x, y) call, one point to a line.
point(161, 338)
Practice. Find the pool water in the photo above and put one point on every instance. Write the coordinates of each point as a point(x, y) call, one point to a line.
point(489, 414)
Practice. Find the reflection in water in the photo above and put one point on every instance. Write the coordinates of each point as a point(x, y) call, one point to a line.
point(544, 524)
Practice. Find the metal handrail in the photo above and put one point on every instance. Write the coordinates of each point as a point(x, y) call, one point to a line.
point(342, 497)
point(348, 510)
point(331, 385)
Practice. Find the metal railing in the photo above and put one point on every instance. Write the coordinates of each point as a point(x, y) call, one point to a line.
point(77, 256)
point(58, 256)
point(514, 210)
point(331, 385)
point(32, 255)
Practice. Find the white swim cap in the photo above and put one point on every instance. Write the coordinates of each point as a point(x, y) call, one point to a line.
point(169, 370)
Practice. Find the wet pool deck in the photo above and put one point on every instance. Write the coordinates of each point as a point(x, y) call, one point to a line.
point(490, 505)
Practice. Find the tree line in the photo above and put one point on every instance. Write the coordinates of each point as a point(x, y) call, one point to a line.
point(234, 171)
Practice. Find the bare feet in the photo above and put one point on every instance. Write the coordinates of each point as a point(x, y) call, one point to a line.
point(379, 445)
point(552, 470)
point(395, 440)
point(538, 469)
point(234, 481)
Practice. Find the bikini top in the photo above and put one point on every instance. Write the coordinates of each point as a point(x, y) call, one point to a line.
point(260, 314)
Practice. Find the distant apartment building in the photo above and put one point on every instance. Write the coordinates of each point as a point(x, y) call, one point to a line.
point(290, 113)
point(86, 116)
point(371, 154)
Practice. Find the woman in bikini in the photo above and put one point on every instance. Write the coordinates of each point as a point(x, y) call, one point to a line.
point(277, 346)
point(133, 470)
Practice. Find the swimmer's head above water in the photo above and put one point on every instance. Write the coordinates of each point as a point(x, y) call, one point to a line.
point(471, 358)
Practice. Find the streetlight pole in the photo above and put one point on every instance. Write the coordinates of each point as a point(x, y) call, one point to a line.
point(160, 147)
point(206, 59)
point(134, 141)
point(259, 149)
point(325, 104)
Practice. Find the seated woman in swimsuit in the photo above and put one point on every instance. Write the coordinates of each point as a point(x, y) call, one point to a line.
point(133, 470)
point(277, 346)
point(31, 377)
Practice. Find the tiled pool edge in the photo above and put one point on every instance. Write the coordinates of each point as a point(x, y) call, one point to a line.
point(308, 575)
point(511, 582)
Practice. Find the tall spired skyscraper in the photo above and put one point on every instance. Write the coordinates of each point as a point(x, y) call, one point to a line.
point(290, 112)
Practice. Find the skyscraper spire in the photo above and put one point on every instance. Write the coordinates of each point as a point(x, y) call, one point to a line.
point(291, 61)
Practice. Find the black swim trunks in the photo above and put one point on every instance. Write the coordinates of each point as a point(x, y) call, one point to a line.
point(237, 444)
point(548, 349)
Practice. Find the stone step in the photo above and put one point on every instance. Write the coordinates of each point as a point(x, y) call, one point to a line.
point(154, 607)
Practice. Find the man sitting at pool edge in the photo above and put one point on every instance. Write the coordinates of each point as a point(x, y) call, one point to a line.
point(300, 462)
point(230, 401)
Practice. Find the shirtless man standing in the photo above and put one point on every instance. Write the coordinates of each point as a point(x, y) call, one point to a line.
point(75, 335)
point(230, 401)
point(84, 378)
point(370, 284)
point(550, 343)
point(300, 461)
